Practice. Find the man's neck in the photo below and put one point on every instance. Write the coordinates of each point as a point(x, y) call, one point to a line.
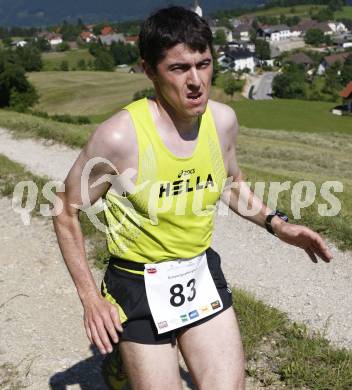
point(186, 127)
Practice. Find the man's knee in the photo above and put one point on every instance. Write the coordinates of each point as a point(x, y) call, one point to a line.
point(215, 379)
point(151, 366)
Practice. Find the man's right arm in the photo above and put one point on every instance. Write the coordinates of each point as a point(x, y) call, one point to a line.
point(110, 142)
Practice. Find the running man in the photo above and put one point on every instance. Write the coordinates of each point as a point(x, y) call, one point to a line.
point(164, 289)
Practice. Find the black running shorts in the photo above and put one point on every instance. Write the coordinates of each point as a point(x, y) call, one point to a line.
point(128, 290)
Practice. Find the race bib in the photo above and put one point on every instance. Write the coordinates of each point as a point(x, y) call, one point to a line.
point(180, 292)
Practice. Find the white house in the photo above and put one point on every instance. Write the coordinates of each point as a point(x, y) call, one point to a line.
point(87, 36)
point(275, 33)
point(19, 42)
point(238, 59)
point(295, 31)
point(53, 38)
point(242, 45)
point(337, 27)
point(110, 38)
point(327, 61)
point(242, 32)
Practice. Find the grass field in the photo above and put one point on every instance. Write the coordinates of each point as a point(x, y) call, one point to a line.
point(85, 93)
point(279, 156)
point(345, 13)
point(52, 60)
point(292, 115)
point(301, 10)
point(99, 94)
point(278, 352)
point(94, 94)
point(264, 155)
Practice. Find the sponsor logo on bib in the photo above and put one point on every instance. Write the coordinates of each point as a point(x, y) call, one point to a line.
point(184, 318)
point(204, 309)
point(151, 270)
point(162, 324)
point(215, 305)
point(193, 314)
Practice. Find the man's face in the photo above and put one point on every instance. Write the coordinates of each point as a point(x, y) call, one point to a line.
point(183, 79)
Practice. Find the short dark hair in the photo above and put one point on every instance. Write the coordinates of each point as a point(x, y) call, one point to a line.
point(170, 26)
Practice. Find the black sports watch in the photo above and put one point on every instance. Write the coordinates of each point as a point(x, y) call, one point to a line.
point(270, 216)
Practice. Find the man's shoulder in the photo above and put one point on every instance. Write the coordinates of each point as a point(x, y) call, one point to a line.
point(224, 117)
point(115, 135)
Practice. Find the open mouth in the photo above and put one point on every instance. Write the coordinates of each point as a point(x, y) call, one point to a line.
point(194, 96)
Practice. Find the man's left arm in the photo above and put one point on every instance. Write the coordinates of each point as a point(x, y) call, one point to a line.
point(240, 197)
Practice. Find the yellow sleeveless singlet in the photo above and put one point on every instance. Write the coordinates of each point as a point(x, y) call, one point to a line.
point(170, 213)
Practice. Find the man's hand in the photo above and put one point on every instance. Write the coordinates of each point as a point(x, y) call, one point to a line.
point(304, 238)
point(101, 320)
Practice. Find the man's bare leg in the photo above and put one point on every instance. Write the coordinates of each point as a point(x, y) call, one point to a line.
point(151, 366)
point(213, 353)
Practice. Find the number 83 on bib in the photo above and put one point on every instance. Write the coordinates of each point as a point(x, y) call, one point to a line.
point(180, 292)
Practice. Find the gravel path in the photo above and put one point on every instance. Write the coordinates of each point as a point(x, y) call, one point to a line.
point(44, 158)
point(35, 282)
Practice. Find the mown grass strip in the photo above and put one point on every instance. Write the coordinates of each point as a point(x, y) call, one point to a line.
point(293, 355)
point(337, 228)
point(26, 125)
point(281, 351)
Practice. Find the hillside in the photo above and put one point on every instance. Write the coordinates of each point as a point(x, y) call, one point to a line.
point(41, 12)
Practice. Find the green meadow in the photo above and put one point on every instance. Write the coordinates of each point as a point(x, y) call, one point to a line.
point(85, 92)
point(301, 10)
point(291, 115)
point(52, 60)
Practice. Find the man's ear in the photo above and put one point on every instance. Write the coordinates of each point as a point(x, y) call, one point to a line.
point(148, 70)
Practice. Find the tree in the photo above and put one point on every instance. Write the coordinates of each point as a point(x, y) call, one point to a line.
point(70, 32)
point(42, 44)
point(231, 85)
point(262, 49)
point(21, 101)
point(327, 40)
point(336, 5)
point(216, 69)
point(123, 53)
point(148, 92)
point(63, 46)
point(314, 36)
point(220, 37)
point(64, 66)
point(291, 83)
point(7, 42)
point(81, 64)
point(346, 72)
point(333, 80)
point(324, 15)
point(15, 90)
point(30, 58)
point(104, 61)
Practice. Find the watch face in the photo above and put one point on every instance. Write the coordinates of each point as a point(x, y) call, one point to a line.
point(283, 216)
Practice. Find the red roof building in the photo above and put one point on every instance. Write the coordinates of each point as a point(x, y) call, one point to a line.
point(346, 93)
point(87, 36)
point(106, 30)
point(132, 39)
